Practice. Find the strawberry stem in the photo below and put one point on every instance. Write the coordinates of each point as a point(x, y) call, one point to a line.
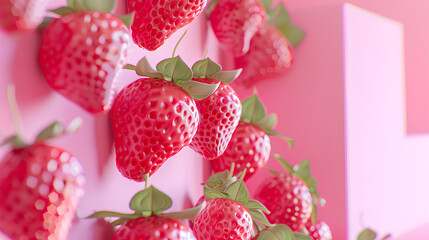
point(178, 42)
point(243, 174)
point(11, 98)
point(205, 55)
point(231, 171)
point(146, 180)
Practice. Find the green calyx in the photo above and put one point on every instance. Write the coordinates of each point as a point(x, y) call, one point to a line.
point(369, 234)
point(238, 192)
point(206, 68)
point(280, 232)
point(253, 111)
point(303, 171)
point(279, 18)
point(88, 5)
point(148, 202)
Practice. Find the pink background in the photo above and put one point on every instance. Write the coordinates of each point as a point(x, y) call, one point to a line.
point(309, 101)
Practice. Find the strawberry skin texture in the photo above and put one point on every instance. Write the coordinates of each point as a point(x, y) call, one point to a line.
point(319, 231)
point(153, 228)
point(40, 187)
point(288, 199)
point(152, 120)
point(249, 148)
point(269, 56)
point(235, 22)
point(219, 116)
point(20, 15)
point(157, 20)
point(81, 54)
point(223, 219)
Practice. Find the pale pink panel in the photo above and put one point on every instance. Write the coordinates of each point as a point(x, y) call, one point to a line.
point(386, 168)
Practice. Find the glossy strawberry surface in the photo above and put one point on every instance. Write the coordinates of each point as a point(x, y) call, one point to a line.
point(81, 54)
point(235, 22)
point(152, 120)
point(219, 116)
point(18, 15)
point(270, 55)
point(157, 20)
point(288, 199)
point(319, 231)
point(249, 148)
point(153, 228)
point(40, 187)
point(223, 219)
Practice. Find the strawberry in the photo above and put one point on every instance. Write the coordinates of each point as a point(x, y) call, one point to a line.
point(228, 214)
point(19, 15)
point(270, 53)
point(250, 145)
point(81, 54)
point(157, 20)
point(319, 231)
point(148, 222)
point(289, 195)
point(40, 187)
point(235, 22)
point(219, 113)
point(154, 118)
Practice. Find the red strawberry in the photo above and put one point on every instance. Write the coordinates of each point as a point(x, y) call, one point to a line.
point(235, 22)
point(319, 231)
point(157, 20)
point(220, 114)
point(250, 145)
point(270, 53)
point(21, 14)
point(153, 228)
point(223, 219)
point(288, 199)
point(81, 54)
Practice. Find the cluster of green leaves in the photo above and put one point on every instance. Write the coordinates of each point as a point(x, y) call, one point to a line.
point(253, 111)
point(279, 18)
point(369, 234)
point(174, 69)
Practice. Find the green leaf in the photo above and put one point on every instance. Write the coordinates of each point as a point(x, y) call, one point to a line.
point(127, 19)
point(99, 5)
point(314, 213)
point(15, 141)
point(272, 172)
point(273, 132)
point(206, 68)
point(293, 33)
point(367, 234)
point(150, 201)
point(253, 204)
point(300, 236)
point(238, 192)
point(268, 123)
point(77, 5)
point(143, 68)
point(119, 221)
point(278, 16)
point(53, 130)
point(252, 110)
point(286, 165)
point(174, 69)
point(258, 215)
point(267, 4)
point(45, 23)
point(304, 170)
point(71, 4)
point(103, 214)
point(62, 11)
point(278, 231)
point(211, 193)
point(227, 76)
point(311, 182)
point(199, 90)
point(189, 213)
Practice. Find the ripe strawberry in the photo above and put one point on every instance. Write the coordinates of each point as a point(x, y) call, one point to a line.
point(18, 15)
point(270, 53)
point(81, 54)
point(157, 20)
point(250, 145)
point(319, 231)
point(290, 196)
point(235, 22)
point(153, 228)
point(219, 113)
point(223, 219)
point(40, 187)
point(148, 222)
